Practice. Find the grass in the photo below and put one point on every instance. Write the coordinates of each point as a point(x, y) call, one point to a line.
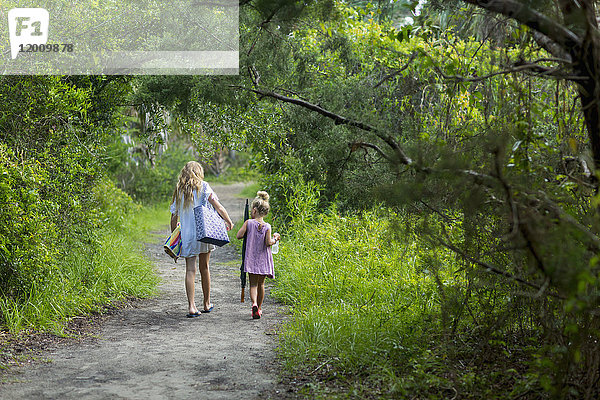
point(150, 218)
point(249, 192)
point(110, 268)
point(355, 296)
point(367, 316)
point(234, 174)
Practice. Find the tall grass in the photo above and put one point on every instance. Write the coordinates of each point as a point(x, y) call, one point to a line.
point(359, 299)
point(111, 266)
point(380, 310)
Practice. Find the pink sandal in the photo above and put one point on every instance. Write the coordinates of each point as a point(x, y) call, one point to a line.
point(255, 312)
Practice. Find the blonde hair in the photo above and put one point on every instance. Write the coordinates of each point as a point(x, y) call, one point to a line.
point(261, 203)
point(190, 179)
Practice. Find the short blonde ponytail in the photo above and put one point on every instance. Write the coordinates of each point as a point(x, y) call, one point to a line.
point(261, 203)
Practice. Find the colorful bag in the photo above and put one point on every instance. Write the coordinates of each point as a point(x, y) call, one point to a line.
point(172, 245)
point(210, 226)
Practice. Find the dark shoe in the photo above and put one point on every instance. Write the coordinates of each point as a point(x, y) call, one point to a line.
point(209, 310)
point(193, 315)
point(255, 313)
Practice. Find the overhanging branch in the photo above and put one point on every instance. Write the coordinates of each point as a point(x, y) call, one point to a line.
point(518, 11)
point(363, 145)
point(338, 119)
point(527, 67)
point(491, 268)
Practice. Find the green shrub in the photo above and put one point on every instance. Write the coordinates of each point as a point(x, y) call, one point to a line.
point(293, 200)
point(50, 278)
point(28, 235)
point(113, 205)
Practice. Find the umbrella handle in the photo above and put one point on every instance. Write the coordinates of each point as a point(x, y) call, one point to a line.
point(243, 292)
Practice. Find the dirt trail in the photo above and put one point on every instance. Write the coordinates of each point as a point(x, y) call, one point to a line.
point(152, 351)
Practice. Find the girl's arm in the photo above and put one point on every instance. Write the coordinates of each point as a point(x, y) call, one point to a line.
point(242, 230)
point(271, 241)
point(222, 212)
point(173, 222)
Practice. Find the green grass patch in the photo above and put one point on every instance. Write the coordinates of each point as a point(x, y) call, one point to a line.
point(110, 267)
point(367, 314)
point(249, 192)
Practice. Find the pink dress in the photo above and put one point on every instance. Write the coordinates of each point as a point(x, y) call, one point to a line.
point(259, 259)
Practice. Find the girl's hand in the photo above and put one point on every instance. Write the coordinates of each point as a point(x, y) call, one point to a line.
point(276, 236)
point(228, 225)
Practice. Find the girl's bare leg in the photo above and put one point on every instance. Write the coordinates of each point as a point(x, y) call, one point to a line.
point(190, 277)
point(261, 291)
point(253, 288)
point(203, 259)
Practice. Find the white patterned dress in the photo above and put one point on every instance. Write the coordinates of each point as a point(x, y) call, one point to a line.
point(191, 247)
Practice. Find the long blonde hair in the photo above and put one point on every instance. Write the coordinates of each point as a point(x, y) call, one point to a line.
point(261, 203)
point(190, 179)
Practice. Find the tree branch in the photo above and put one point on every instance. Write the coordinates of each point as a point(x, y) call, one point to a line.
point(532, 66)
point(496, 270)
point(338, 119)
point(363, 145)
point(514, 211)
point(399, 71)
point(551, 47)
point(518, 11)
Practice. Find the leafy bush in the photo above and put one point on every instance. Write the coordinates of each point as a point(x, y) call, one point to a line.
point(152, 185)
point(65, 245)
point(108, 266)
point(27, 234)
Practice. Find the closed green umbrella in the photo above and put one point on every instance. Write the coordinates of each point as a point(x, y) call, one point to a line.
point(242, 272)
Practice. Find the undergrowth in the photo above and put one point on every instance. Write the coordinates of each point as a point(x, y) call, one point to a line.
point(109, 265)
point(356, 297)
point(368, 321)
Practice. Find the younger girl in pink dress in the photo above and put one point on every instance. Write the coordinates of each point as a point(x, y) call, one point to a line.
point(259, 259)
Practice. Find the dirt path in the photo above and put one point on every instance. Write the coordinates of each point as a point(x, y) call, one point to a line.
point(152, 351)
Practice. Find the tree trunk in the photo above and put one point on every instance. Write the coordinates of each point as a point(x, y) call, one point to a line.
point(581, 18)
point(590, 103)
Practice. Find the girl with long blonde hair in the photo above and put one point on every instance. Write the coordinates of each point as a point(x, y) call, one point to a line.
point(189, 186)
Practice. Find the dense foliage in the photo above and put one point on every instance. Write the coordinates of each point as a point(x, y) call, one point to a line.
point(63, 249)
point(487, 173)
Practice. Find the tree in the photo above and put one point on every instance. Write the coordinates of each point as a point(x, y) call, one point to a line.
point(568, 30)
point(443, 113)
